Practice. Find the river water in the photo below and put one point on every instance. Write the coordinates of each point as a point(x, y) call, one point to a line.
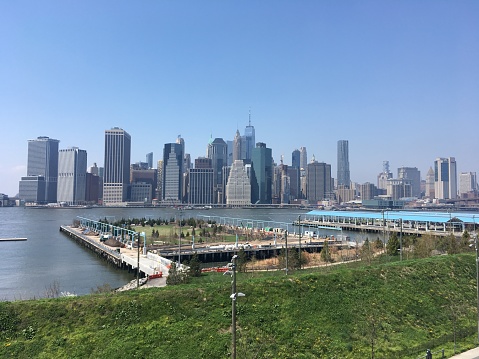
point(28, 269)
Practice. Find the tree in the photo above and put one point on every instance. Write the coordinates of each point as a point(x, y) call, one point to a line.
point(366, 252)
point(195, 266)
point(176, 276)
point(241, 261)
point(326, 253)
point(392, 247)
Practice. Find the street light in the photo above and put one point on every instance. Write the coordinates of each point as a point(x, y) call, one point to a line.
point(299, 225)
point(234, 295)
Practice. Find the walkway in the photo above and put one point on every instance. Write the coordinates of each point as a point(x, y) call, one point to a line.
point(470, 354)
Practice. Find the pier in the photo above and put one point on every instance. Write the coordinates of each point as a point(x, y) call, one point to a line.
point(122, 257)
point(408, 222)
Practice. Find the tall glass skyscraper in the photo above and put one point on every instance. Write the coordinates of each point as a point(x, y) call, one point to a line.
point(262, 174)
point(249, 138)
point(42, 171)
point(296, 159)
point(343, 164)
point(116, 176)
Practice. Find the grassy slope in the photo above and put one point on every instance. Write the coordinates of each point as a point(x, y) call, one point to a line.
point(403, 308)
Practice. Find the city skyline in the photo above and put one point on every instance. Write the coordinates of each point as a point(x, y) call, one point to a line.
point(399, 81)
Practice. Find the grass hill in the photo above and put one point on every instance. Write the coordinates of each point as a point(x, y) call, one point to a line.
point(392, 310)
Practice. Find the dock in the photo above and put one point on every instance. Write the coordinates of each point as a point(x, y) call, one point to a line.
point(12, 239)
point(123, 258)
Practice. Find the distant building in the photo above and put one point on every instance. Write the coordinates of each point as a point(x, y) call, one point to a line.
point(384, 176)
point(238, 188)
point(467, 184)
point(294, 182)
point(445, 180)
point(141, 192)
point(32, 189)
point(217, 152)
point(262, 174)
point(303, 158)
point(116, 178)
point(249, 141)
point(159, 185)
point(144, 176)
point(149, 159)
point(319, 182)
point(72, 184)
point(399, 188)
point(238, 145)
point(414, 175)
point(296, 159)
point(430, 192)
point(200, 186)
point(343, 178)
point(172, 173)
point(367, 191)
point(42, 162)
point(345, 194)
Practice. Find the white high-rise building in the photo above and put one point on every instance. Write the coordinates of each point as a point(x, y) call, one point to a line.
point(445, 178)
point(116, 175)
point(72, 164)
point(238, 188)
point(467, 183)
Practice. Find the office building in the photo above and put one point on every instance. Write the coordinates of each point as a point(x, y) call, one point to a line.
point(249, 141)
point(343, 178)
point(32, 189)
point(237, 146)
point(318, 181)
point(430, 192)
point(42, 162)
point(414, 175)
point(116, 177)
point(159, 178)
point(238, 188)
point(399, 188)
point(467, 184)
point(217, 152)
point(72, 185)
point(445, 178)
point(296, 159)
point(140, 175)
point(262, 174)
point(384, 176)
point(172, 173)
point(303, 158)
point(200, 186)
point(345, 194)
point(149, 159)
point(367, 191)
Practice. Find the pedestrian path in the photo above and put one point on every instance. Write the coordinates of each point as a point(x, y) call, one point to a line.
point(470, 354)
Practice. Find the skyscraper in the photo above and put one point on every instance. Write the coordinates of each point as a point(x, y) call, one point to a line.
point(72, 164)
point(237, 145)
point(343, 164)
point(217, 152)
point(149, 159)
point(445, 178)
point(43, 162)
point(249, 140)
point(384, 176)
point(262, 174)
point(414, 175)
point(200, 187)
point(467, 183)
point(172, 172)
point(303, 158)
point(238, 188)
point(116, 176)
point(430, 184)
point(319, 183)
point(296, 159)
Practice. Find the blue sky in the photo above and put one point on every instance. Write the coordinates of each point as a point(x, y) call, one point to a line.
point(398, 79)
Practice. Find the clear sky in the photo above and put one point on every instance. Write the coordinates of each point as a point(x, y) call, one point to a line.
point(398, 79)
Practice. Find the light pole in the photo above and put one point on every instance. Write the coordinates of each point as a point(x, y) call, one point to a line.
point(400, 241)
point(233, 297)
point(299, 226)
point(286, 240)
point(179, 240)
point(137, 235)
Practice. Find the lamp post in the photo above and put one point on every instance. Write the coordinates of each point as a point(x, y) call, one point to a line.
point(137, 235)
point(286, 240)
point(179, 240)
point(299, 226)
point(233, 297)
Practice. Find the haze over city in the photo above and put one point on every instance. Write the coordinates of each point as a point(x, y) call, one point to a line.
point(399, 81)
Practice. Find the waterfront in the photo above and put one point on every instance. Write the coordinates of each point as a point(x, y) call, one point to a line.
point(29, 268)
